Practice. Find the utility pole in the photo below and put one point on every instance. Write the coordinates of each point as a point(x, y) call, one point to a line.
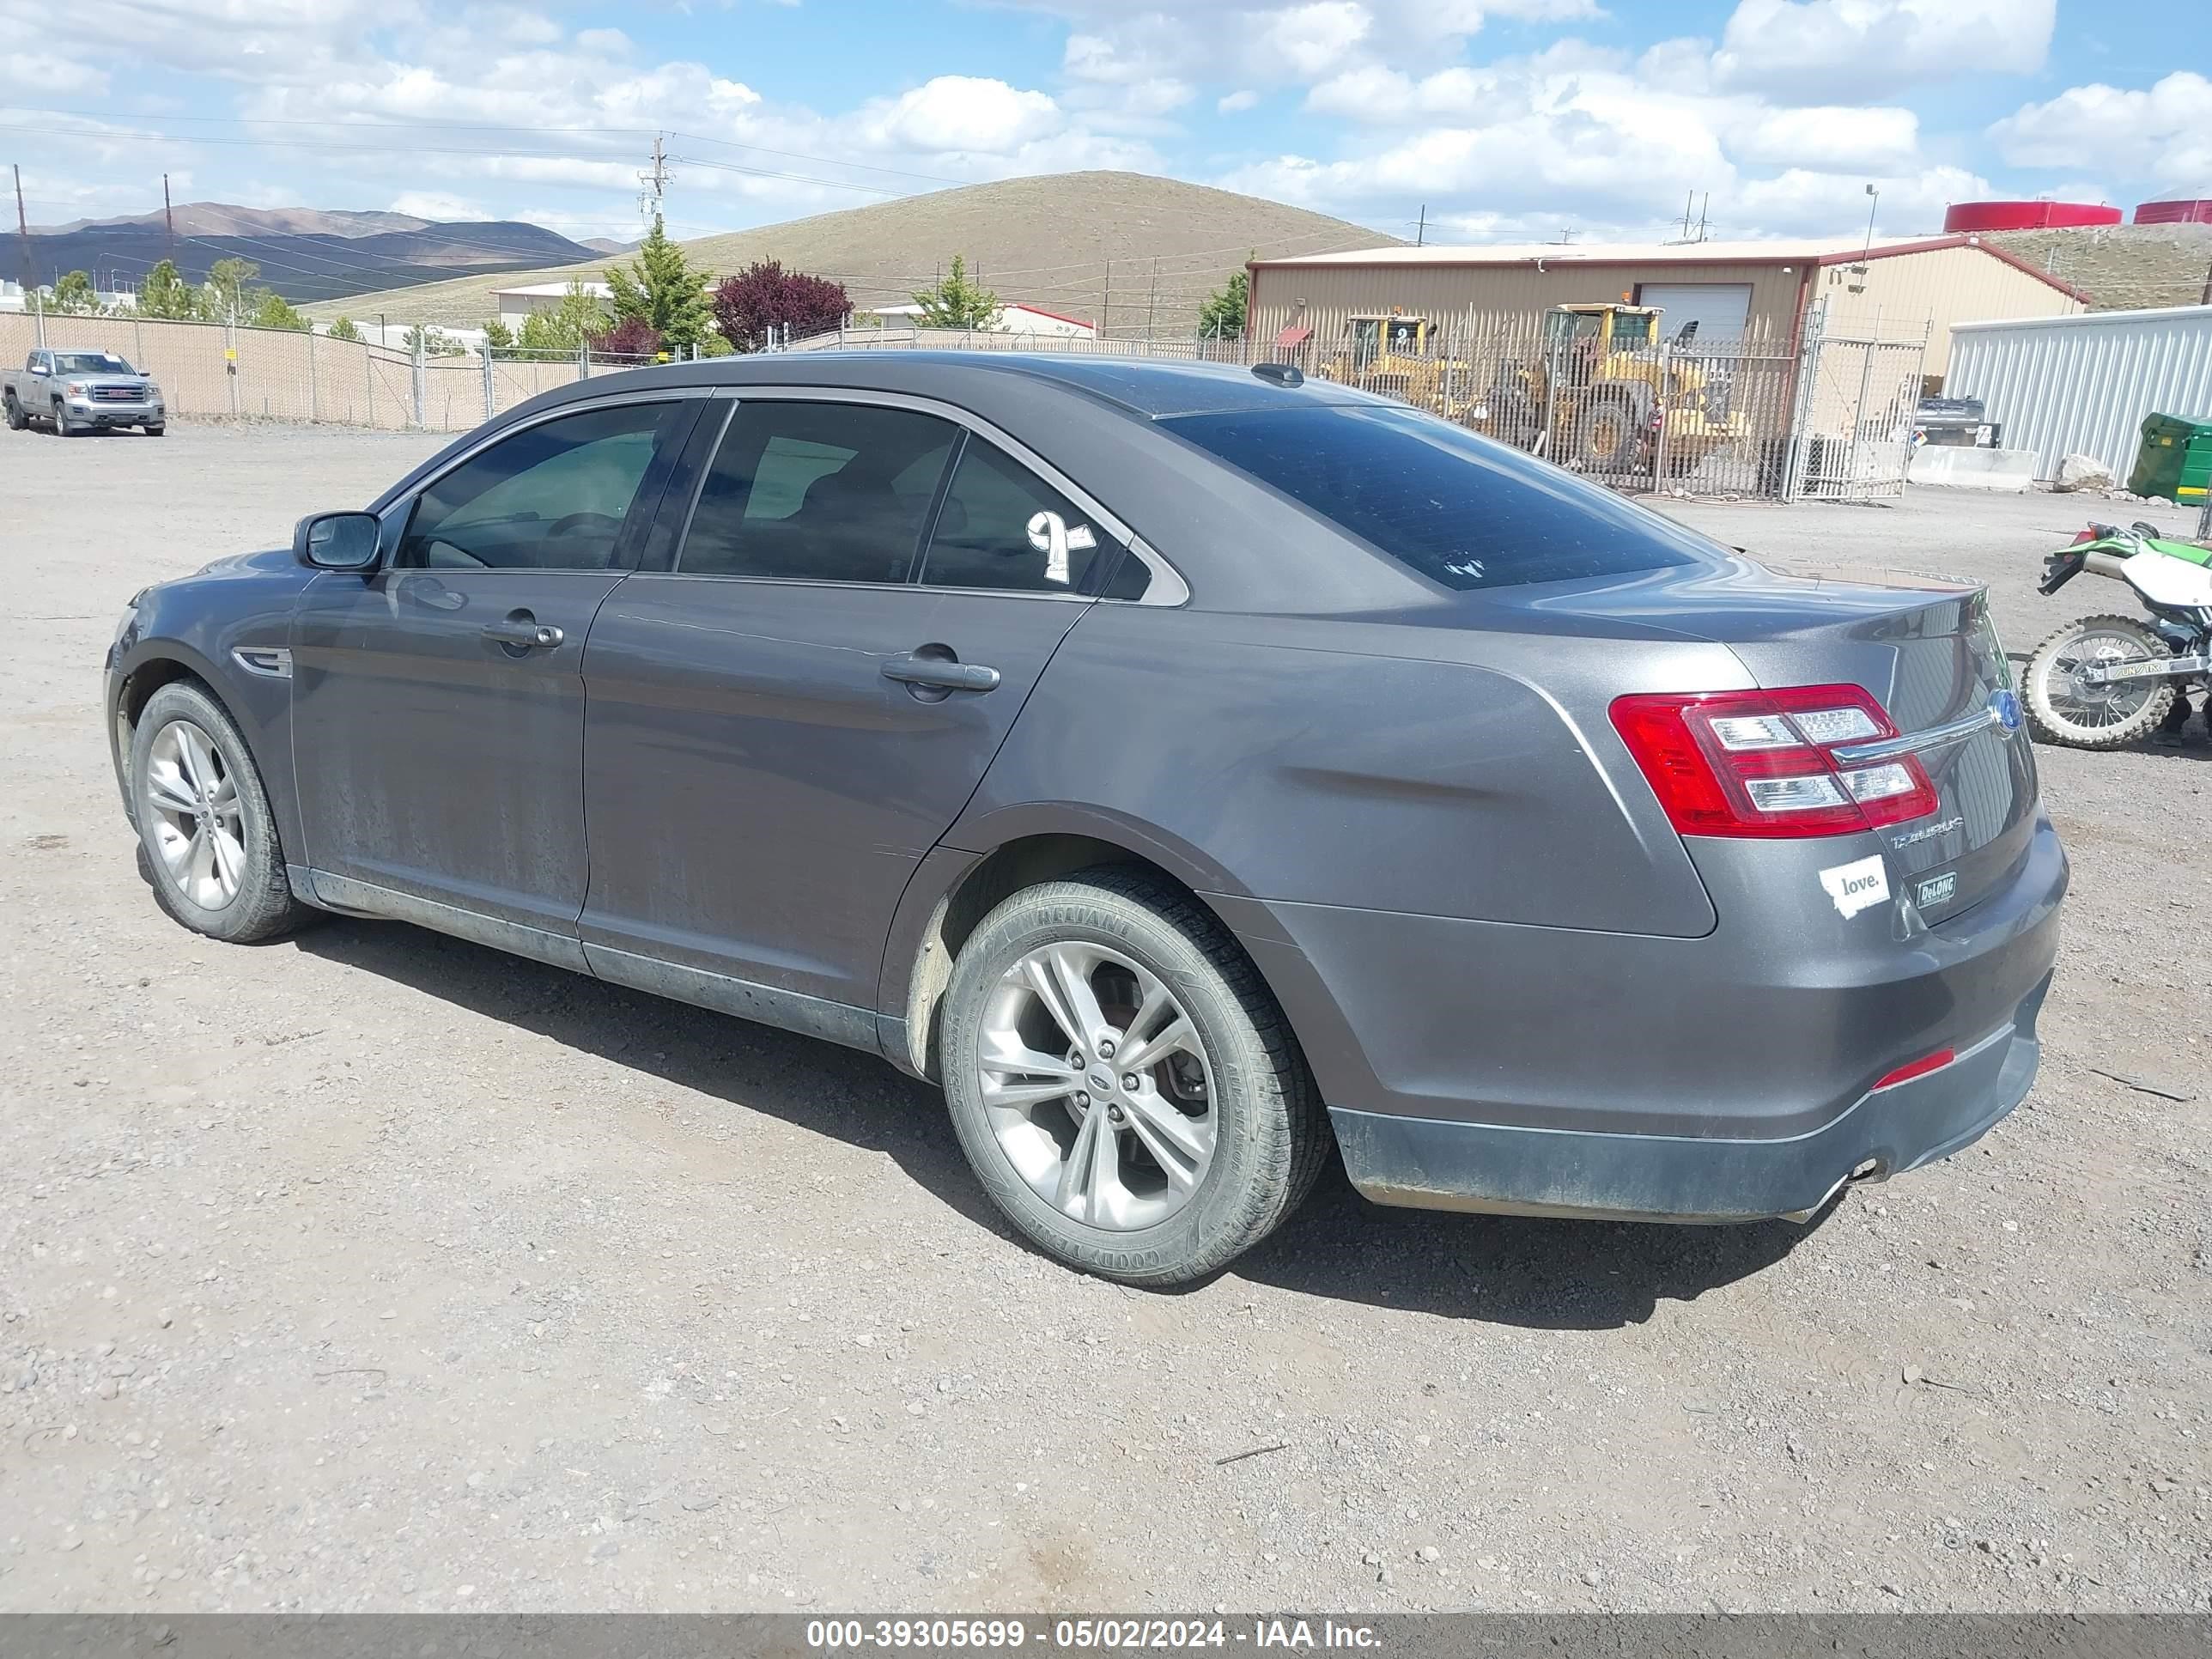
point(1871, 206)
point(1702, 206)
point(23, 230)
point(1106, 305)
point(1152, 298)
point(1421, 227)
point(169, 220)
point(655, 183)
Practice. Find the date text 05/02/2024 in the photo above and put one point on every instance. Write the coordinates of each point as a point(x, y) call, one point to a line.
point(1094, 1635)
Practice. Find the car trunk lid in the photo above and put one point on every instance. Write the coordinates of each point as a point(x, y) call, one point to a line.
point(1924, 647)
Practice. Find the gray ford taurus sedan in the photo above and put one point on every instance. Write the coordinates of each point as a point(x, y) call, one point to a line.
point(1191, 769)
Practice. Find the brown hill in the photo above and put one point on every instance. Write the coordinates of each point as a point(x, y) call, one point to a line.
point(224, 219)
point(1123, 248)
point(2123, 267)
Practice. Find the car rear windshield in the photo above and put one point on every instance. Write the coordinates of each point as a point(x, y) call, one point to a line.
point(1459, 509)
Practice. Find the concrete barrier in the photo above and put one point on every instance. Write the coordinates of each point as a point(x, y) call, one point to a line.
point(1973, 469)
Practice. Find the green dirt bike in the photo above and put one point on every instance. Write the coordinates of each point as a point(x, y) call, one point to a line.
point(2104, 681)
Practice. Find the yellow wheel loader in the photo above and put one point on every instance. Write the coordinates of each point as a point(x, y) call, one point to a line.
point(1601, 397)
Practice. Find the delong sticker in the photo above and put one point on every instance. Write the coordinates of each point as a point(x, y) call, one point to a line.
point(1856, 885)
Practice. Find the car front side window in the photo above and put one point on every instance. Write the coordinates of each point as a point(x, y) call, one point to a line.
point(826, 491)
point(553, 497)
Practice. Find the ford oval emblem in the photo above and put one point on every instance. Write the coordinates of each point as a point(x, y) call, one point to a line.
point(2005, 702)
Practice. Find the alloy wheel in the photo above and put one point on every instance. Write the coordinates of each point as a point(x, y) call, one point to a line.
point(199, 829)
point(1097, 1086)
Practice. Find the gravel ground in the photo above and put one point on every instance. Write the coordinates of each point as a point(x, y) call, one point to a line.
point(374, 1270)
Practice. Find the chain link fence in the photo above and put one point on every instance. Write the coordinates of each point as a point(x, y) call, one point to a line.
point(219, 371)
point(1607, 394)
point(1825, 414)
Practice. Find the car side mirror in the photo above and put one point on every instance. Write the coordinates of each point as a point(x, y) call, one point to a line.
point(38, 368)
point(337, 541)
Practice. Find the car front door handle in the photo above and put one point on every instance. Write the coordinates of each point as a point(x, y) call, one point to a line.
point(523, 630)
point(945, 673)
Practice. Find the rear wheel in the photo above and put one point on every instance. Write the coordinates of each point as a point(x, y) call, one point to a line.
point(204, 823)
point(1123, 1083)
point(2062, 709)
point(16, 419)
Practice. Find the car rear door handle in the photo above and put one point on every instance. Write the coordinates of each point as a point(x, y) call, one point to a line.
point(940, 673)
point(524, 630)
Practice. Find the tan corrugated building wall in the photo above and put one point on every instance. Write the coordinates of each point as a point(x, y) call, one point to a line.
point(1756, 291)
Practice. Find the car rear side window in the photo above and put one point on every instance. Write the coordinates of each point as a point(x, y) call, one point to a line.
point(818, 491)
point(1459, 509)
point(1003, 527)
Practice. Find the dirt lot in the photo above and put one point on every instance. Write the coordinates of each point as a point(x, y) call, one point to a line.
point(373, 1270)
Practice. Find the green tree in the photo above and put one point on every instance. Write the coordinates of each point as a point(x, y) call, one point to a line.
point(343, 330)
point(433, 342)
point(957, 302)
point(72, 292)
point(499, 339)
point(223, 297)
point(663, 290)
point(273, 311)
point(165, 293)
point(564, 328)
point(1222, 313)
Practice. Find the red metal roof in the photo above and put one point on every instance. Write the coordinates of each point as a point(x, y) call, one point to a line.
point(1296, 335)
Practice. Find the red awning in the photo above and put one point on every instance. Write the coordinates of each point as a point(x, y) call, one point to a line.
point(1292, 336)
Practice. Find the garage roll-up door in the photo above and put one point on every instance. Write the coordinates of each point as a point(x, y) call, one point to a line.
point(1719, 308)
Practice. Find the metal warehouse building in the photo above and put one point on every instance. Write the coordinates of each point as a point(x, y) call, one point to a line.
point(2083, 385)
point(1751, 290)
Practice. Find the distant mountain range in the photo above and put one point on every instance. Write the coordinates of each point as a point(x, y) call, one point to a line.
point(305, 254)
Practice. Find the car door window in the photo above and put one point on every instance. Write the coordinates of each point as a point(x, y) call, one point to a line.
point(554, 496)
point(818, 492)
point(1003, 527)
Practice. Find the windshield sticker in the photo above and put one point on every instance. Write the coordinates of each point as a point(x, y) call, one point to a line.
point(1858, 886)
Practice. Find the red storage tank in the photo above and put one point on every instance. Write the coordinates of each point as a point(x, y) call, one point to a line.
point(2027, 215)
point(2198, 212)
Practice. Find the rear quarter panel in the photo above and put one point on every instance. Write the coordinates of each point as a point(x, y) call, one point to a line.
point(1373, 764)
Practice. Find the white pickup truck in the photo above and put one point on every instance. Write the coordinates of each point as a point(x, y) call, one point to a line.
point(80, 391)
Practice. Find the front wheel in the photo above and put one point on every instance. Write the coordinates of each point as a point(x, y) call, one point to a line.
point(157, 430)
point(62, 427)
point(1122, 1082)
point(204, 823)
point(2062, 709)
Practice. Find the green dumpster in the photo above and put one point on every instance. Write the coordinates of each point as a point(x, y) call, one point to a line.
point(2175, 460)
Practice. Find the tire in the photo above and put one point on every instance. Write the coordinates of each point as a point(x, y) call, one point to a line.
point(62, 427)
point(2057, 717)
point(1605, 416)
point(1270, 1136)
point(16, 419)
point(161, 431)
point(260, 905)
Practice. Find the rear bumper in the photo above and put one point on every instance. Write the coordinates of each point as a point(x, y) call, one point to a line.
point(1429, 1163)
point(1484, 1066)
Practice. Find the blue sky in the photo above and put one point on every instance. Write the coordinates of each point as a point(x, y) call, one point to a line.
point(1507, 119)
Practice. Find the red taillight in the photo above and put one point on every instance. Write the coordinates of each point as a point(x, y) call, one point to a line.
point(2086, 535)
point(1763, 763)
point(1920, 1068)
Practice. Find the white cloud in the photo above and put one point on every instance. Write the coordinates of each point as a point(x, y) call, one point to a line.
point(1840, 137)
point(2162, 135)
point(436, 205)
point(1236, 102)
point(1841, 49)
point(1833, 203)
point(1304, 41)
point(963, 114)
point(42, 76)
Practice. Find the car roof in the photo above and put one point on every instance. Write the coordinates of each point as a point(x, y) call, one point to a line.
point(1148, 388)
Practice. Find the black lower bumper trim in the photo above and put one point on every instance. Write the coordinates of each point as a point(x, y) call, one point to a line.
point(1435, 1163)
